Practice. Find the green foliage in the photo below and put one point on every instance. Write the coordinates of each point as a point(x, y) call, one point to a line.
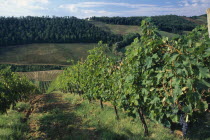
point(27, 30)
point(127, 40)
point(159, 78)
point(169, 23)
point(120, 20)
point(107, 127)
point(43, 54)
point(13, 88)
point(21, 106)
point(11, 128)
point(173, 23)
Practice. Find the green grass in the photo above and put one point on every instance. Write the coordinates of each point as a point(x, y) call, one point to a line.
point(21, 106)
point(167, 34)
point(202, 19)
point(69, 117)
point(60, 116)
point(106, 127)
point(125, 29)
point(11, 127)
point(117, 29)
point(44, 53)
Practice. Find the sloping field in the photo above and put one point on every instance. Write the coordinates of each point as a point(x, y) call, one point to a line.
point(126, 29)
point(200, 20)
point(56, 54)
point(117, 29)
point(167, 34)
point(41, 75)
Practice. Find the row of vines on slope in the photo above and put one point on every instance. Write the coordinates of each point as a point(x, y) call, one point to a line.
point(13, 88)
point(164, 80)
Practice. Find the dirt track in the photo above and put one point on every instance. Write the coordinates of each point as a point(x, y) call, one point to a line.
point(51, 118)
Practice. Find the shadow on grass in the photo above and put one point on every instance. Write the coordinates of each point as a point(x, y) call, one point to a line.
point(11, 127)
point(59, 122)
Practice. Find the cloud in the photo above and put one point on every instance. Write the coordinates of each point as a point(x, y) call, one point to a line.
point(194, 3)
point(76, 7)
point(193, 7)
point(91, 8)
point(183, 7)
point(22, 7)
point(102, 4)
point(85, 9)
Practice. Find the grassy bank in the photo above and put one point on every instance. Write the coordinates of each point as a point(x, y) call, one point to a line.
point(12, 126)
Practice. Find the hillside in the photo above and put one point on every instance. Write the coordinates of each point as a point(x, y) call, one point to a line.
point(126, 29)
point(202, 19)
point(45, 54)
point(28, 30)
point(117, 29)
point(45, 30)
point(168, 23)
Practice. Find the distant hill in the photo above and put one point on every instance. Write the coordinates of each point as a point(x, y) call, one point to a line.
point(126, 29)
point(168, 23)
point(27, 30)
point(116, 29)
point(202, 19)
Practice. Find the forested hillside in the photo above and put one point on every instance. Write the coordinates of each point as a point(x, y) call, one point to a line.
point(26, 30)
point(173, 23)
point(169, 23)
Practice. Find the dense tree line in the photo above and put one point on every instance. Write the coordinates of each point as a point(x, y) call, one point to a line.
point(120, 20)
point(30, 68)
point(25, 30)
point(173, 23)
point(169, 23)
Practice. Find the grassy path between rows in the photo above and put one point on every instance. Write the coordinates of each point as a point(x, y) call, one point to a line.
point(53, 118)
point(59, 116)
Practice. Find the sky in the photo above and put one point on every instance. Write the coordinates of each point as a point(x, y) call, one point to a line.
point(89, 8)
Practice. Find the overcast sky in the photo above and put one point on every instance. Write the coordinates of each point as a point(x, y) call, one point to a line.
point(88, 8)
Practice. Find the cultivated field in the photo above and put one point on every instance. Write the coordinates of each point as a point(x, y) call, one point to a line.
point(117, 29)
point(41, 75)
point(126, 29)
point(56, 54)
point(42, 79)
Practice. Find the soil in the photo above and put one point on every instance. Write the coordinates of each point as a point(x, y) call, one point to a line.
point(51, 118)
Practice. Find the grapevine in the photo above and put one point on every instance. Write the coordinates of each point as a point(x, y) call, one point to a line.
point(13, 88)
point(157, 79)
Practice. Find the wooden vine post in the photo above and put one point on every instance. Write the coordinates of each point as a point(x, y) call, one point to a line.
point(208, 19)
